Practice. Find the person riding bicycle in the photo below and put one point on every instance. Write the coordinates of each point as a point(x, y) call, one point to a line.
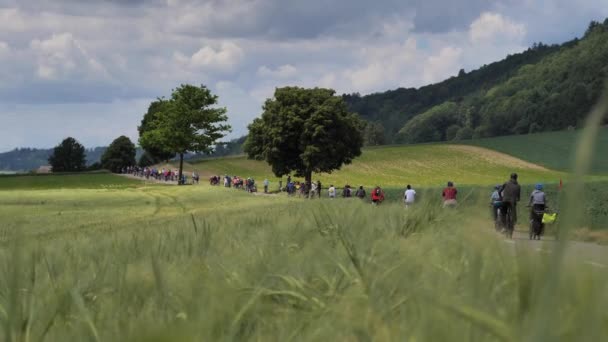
point(449, 196)
point(377, 195)
point(511, 194)
point(537, 203)
point(361, 192)
point(496, 201)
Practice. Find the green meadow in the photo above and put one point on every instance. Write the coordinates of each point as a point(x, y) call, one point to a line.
point(96, 180)
point(553, 150)
point(397, 166)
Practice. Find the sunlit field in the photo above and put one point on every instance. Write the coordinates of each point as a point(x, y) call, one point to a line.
point(397, 166)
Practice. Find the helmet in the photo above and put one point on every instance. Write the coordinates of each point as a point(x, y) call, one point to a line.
point(538, 186)
point(450, 184)
point(497, 187)
point(514, 176)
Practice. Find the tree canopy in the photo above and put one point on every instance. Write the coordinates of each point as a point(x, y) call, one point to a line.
point(188, 122)
point(154, 153)
point(68, 156)
point(305, 131)
point(120, 153)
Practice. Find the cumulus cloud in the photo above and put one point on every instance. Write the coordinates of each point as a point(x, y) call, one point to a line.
point(283, 71)
point(443, 64)
point(225, 57)
point(61, 56)
point(71, 57)
point(494, 28)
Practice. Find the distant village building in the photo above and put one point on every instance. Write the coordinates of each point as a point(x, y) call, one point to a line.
point(44, 169)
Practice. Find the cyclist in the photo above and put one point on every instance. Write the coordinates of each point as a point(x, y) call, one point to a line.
point(538, 203)
point(360, 193)
point(409, 196)
point(511, 194)
point(377, 195)
point(449, 196)
point(331, 192)
point(496, 201)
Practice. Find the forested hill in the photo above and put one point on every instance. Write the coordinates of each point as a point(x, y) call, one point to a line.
point(544, 88)
point(27, 159)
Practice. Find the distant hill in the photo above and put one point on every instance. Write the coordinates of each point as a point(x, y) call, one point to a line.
point(544, 88)
point(27, 159)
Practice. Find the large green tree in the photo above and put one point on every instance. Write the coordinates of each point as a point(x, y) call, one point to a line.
point(120, 153)
point(305, 131)
point(189, 121)
point(154, 153)
point(68, 156)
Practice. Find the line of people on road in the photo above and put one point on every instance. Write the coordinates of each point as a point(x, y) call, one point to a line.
point(162, 174)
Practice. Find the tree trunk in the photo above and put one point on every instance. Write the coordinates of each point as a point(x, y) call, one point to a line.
point(181, 169)
point(308, 181)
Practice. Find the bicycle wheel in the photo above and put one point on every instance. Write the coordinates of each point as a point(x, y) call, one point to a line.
point(509, 230)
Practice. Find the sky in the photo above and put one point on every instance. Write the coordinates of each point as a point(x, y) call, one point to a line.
point(90, 68)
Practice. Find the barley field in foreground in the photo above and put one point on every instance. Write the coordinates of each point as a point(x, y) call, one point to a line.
point(210, 264)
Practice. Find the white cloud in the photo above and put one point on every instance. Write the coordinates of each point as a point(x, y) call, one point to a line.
point(283, 71)
point(495, 28)
point(61, 55)
point(213, 17)
point(11, 20)
point(442, 65)
point(384, 64)
point(224, 57)
point(61, 52)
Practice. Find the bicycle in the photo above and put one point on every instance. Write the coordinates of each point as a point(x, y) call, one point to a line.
point(509, 222)
point(537, 226)
point(498, 222)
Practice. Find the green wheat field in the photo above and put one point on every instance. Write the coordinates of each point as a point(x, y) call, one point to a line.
point(100, 257)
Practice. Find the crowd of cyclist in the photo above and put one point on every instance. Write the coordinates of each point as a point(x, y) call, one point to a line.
point(504, 202)
point(504, 198)
point(159, 174)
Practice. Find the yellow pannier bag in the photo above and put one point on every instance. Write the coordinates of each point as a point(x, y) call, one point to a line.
point(549, 218)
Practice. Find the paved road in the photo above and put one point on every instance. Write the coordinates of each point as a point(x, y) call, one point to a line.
point(588, 253)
